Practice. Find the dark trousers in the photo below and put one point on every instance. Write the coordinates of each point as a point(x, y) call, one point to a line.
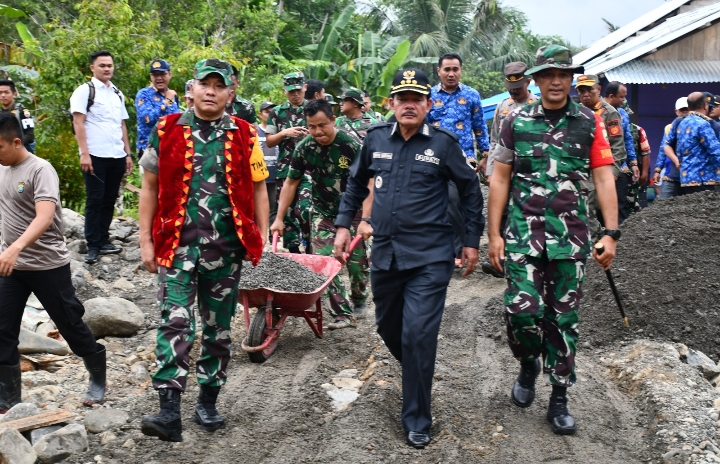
point(408, 309)
point(456, 219)
point(696, 189)
point(272, 199)
point(101, 191)
point(55, 291)
point(621, 188)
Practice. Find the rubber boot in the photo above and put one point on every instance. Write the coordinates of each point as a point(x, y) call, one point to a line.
point(167, 424)
point(96, 367)
point(523, 390)
point(561, 421)
point(206, 415)
point(10, 387)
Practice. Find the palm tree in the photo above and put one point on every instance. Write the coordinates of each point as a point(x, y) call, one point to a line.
point(467, 27)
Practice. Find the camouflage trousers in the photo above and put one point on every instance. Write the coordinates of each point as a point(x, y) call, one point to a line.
point(323, 240)
point(217, 293)
point(297, 219)
point(633, 195)
point(541, 312)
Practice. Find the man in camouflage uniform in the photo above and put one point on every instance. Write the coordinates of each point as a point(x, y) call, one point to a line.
point(517, 83)
point(546, 152)
point(8, 93)
point(238, 106)
point(285, 128)
point(327, 155)
point(354, 119)
point(202, 187)
point(588, 89)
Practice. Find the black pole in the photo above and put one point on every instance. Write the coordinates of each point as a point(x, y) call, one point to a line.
point(600, 249)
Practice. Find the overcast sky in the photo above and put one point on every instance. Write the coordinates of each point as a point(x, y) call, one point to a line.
point(580, 22)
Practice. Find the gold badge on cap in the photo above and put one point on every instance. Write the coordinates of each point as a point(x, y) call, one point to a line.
point(156, 64)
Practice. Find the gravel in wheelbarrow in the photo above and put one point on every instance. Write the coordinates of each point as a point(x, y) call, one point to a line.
point(282, 274)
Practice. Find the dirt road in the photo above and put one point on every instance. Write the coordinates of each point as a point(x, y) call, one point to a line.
point(277, 412)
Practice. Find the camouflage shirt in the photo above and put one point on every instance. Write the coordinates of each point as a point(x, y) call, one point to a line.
point(357, 127)
point(501, 111)
point(551, 171)
point(329, 167)
point(243, 109)
point(281, 118)
point(208, 236)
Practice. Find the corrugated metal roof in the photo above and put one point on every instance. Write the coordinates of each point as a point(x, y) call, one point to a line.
point(673, 28)
point(627, 30)
point(665, 72)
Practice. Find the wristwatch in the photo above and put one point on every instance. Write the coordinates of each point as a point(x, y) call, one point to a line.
point(614, 233)
point(366, 219)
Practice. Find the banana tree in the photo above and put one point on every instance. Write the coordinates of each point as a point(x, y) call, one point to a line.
point(326, 50)
point(30, 45)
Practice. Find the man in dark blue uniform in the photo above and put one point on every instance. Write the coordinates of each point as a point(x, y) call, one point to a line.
point(413, 256)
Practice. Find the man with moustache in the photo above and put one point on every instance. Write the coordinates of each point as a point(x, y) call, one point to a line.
point(154, 101)
point(203, 210)
point(412, 259)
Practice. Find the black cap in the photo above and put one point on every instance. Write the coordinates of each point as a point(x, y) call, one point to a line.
point(709, 99)
point(267, 105)
point(410, 80)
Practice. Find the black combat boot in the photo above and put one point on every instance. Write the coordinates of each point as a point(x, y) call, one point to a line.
point(10, 387)
point(167, 424)
point(560, 419)
point(96, 367)
point(205, 413)
point(523, 390)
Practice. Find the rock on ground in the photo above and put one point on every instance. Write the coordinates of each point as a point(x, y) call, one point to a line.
point(102, 419)
point(30, 342)
point(113, 316)
point(19, 411)
point(14, 448)
point(62, 444)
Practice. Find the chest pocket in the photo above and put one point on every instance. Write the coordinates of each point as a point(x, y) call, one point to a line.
point(529, 159)
point(423, 177)
point(382, 168)
point(575, 161)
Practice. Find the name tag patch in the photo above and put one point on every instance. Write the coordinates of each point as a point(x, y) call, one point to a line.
point(387, 156)
point(427, 159)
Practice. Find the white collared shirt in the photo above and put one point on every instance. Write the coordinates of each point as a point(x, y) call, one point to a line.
point(103, 122)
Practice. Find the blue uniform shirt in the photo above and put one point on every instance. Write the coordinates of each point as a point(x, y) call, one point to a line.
point(409, 212)
point(663, 162)
point(627, 136)
point(698, 149)
point(460, 112)
point(150, 105)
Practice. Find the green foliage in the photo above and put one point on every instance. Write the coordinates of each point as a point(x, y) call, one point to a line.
point(100, 25)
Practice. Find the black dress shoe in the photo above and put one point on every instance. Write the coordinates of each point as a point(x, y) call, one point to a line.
point(92, 256)
point(561, 421)
point(109, 249)
point(523, 390)
point(418, 440)
point(488, 268)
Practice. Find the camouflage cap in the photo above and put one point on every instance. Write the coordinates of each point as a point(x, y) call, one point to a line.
point(354, 94)
point(293, 81)
point(330, 99)
point(554, 56)
point(204, 68)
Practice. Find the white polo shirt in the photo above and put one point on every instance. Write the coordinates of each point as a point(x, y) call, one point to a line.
point(103, 122)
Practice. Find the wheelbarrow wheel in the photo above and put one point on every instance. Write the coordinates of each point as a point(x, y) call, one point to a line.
point(258, 333)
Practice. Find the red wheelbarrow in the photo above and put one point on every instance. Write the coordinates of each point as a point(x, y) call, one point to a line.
point(275, 306)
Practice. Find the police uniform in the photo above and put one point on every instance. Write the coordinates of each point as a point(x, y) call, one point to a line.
point(514, 79)
point(412, 251)
point(26, 122)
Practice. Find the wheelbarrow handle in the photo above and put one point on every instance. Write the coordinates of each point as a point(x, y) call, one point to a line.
point(353, 244)
point(276, 234)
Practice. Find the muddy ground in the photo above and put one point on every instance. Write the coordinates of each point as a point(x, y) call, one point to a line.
point(277, 412)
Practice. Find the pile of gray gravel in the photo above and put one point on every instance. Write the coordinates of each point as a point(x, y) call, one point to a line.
point(276, 272)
